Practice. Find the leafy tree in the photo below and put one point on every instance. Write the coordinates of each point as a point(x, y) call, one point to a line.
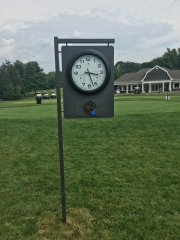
point(127, 67)
point(41, 81)
point(172, 58)
point(17, 91)
point(147, 65)
point(121, 68)
point(8, 92)
point(20, 68)
point(35, 78)
point(4, 80)
point(117, 73)
point(51, 79)
point(10, 82)
point(158, 61)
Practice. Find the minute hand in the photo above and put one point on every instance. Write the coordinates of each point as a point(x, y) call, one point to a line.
point(90, 76)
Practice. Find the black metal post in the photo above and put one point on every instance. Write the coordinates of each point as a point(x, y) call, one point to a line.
point(60, 127)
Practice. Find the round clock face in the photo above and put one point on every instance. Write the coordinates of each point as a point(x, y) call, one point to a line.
point(89, 72)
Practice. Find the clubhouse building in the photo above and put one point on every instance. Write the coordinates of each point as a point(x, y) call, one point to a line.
point(156, 79)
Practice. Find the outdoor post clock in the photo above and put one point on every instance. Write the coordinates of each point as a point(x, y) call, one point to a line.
point(88, 86)
point(88, 81)
point(88, 72)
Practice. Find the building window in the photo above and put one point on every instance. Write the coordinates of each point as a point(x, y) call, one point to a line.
point(124, 88)
point(176, 85)
point(152, 87)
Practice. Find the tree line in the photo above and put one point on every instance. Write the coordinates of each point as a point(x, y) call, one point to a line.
point(170, 60)
point(18, 78)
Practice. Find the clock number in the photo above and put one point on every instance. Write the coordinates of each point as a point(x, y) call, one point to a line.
point(82, 61)
point(88, 59)
point(78, 66)
point(99, 65)
point(89, 86)
point(94, 60)
point(101, 72)
point(95, 83)
point(76, 73)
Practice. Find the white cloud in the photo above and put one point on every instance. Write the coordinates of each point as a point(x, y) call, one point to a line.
point(142, 29)
point(6, 42)
point(129, 10)
point(13, 26)
point(6, 48)
point(76, 33)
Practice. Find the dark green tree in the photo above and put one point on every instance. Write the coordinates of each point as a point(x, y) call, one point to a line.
point(10, 82)
point(51, 79)
point(20, 68)
point(171, 58)
point(5, 81)
point(8, 92)
point(158, 61)
point(17, 91)
point(34, 77)
point(147, 65)
point(121, 68)
point(127, 67)
point(117, 73)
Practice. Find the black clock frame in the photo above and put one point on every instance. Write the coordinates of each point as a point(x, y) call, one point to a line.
point(103, 59)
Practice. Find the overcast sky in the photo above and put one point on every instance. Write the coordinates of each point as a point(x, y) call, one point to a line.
point(142, 29)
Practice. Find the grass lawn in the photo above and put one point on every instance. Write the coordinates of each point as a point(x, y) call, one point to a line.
point(121, 174)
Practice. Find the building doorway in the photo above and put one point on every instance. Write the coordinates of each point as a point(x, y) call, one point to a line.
point(166, 87)
point(146, 88)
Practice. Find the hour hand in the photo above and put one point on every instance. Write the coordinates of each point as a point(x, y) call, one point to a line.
point(91, 73)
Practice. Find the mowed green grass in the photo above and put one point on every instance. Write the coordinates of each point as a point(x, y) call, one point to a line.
point(121, 174)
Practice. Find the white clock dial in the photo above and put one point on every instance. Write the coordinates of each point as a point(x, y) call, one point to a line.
point(88, 72)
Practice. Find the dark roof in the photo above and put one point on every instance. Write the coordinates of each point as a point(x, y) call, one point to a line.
point(175, 74)
point(133, 77)
point(138, 76)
